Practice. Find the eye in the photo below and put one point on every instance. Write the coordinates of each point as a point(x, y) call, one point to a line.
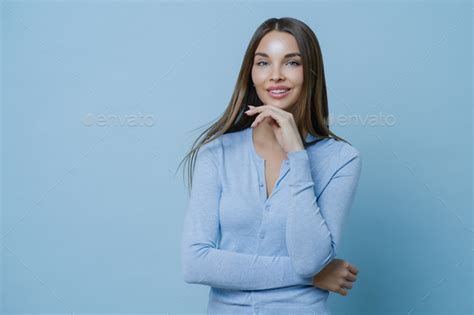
point(293, 62)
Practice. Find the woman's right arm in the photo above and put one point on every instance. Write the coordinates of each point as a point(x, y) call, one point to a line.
point(203, 263)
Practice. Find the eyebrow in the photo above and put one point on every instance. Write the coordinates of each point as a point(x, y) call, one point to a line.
point(286, 56)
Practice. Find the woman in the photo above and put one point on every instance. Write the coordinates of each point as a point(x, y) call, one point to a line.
point(271, 186)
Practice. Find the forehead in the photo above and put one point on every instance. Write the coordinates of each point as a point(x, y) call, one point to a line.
point(277, 44)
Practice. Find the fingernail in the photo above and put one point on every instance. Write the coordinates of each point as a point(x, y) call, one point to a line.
point(251, 106)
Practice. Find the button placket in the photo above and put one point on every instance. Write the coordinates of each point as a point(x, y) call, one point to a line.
point(261, 178)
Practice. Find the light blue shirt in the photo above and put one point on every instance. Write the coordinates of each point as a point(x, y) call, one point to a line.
point(259, 254)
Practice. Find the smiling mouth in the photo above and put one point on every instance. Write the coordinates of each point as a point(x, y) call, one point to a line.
point(279, 91)
point(278, 94)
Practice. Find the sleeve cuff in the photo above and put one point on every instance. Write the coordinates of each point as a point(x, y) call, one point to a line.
point(300, 168)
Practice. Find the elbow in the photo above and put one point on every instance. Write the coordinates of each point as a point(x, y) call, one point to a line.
point(190, 271)
point(193, 263)
point(189, 276)
point(189, 268)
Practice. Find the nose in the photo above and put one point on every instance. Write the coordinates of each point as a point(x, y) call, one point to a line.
point(276, 74)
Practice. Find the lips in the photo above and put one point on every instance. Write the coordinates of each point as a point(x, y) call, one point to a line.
point(278, 89)
point(278, 92)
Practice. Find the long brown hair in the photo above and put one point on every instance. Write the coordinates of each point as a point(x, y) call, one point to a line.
point(311, 109)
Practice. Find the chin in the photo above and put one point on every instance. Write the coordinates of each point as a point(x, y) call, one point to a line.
point(283, 104)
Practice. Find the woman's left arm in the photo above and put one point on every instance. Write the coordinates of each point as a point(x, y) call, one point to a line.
point(314, 228)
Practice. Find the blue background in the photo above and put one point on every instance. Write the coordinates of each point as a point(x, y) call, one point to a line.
point(92, 209)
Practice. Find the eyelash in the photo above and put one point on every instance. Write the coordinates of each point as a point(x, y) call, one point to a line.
point(295, 62)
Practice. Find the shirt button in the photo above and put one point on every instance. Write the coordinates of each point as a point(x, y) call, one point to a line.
point(267, 207)
point(261, 184)
point(262, 235)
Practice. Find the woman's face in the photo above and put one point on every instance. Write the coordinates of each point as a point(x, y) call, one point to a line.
point(277, 63)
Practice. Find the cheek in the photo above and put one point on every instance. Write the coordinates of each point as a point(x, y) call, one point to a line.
point(258, 77)
point(297, 77)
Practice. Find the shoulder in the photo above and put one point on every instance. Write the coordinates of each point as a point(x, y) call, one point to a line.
point(334, 148)
point(209, 151)
point(348, 152)
point(226, 142)
point(331, 155)
point(348, 160)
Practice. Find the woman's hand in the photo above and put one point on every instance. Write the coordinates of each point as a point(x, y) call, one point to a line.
point(336, 276)
point(283, 125)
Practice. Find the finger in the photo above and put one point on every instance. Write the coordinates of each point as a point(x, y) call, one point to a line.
point(270, 111)
point(353, 269)
point(258, 119)
point(341, 291)
point(346, 285)
point(263, 115)
point(250, 111)
point(351, 277)
point(262, 108)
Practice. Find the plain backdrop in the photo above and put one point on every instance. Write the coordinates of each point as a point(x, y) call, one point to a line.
point(101, 100)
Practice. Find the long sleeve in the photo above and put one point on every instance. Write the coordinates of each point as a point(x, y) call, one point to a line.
point(314, 228)
point(203, 262)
